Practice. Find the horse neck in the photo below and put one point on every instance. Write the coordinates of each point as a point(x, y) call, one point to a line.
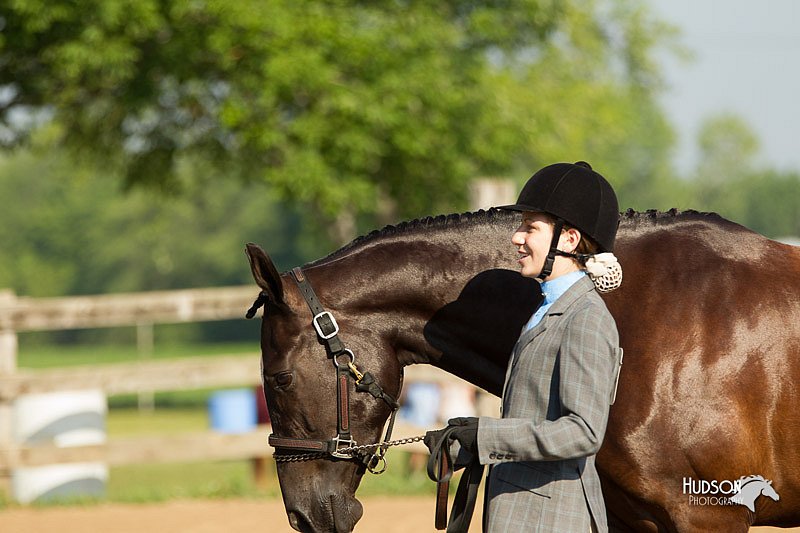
point(422, 291)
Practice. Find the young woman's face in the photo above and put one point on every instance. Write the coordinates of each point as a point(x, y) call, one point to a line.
point(532, 240)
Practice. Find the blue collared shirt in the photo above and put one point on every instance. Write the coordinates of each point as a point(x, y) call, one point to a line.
point(552, 291)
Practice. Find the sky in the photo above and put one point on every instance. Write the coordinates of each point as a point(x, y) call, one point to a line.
point(746, 61)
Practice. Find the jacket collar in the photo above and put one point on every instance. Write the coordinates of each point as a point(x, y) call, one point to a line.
point(570, 296)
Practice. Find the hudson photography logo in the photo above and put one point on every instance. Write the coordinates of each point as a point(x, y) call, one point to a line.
point(742, 491)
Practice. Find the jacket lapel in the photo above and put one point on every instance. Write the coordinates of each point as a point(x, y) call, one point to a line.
point(578, 289)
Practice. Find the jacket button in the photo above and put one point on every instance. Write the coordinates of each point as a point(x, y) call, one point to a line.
point(492, 455)
point(500, 456)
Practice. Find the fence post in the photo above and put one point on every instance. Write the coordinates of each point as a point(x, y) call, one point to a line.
point(144, 345)
point(8, 365)
point(485, 193)
point(491, 192)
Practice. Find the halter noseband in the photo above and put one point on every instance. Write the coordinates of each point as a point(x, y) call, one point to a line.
point(342, 446)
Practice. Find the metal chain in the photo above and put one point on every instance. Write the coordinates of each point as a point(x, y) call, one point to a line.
point(288, 458)
point(399, 442)
point(352, 450)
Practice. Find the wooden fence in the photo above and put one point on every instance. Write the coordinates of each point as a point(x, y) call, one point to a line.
point(28, 314)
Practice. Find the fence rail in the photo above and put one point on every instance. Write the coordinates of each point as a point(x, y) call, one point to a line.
point(164, 307)
point(121, 378)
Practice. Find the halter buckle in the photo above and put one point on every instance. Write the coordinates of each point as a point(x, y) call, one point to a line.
point(337, 443)
point(318, 326)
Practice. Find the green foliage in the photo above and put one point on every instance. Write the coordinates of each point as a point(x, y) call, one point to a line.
point(727, 151)
point(70, 231)
point(36, 355)
point(338, 104)
point(729, 180)
point(772, 205)
point(163, 482)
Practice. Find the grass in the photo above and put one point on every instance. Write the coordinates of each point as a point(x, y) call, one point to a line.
point(128, 422)
point(46, 356)
point(162, 482)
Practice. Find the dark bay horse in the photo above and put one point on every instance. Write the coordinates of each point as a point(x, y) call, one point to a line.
point(708, 316)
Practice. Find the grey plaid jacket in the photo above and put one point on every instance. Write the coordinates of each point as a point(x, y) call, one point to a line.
point(559, 386)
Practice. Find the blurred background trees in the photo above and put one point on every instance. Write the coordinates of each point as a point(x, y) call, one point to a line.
point(147, 140)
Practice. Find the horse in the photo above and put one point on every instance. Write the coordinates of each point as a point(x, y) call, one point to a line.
point(708, 316)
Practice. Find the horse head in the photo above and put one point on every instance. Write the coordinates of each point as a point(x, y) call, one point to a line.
point(300, 385)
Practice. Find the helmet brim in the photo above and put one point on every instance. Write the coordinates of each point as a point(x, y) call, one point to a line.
point(520, 207)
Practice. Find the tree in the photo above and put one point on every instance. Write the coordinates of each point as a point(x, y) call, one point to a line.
point(728, 180)
point(69, 231)
point(339, 105)
point(727, 148)
point(773, 203)
point(727, 155)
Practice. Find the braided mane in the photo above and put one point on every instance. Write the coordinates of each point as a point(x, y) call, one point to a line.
point(654, 215)
point(431, 223)
point(493, 215)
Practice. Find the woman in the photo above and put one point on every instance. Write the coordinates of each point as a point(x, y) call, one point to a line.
point(561, 376)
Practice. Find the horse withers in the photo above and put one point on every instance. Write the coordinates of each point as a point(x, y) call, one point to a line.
point(708, 316)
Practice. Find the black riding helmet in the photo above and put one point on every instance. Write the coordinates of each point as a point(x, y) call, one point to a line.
point(575, 194)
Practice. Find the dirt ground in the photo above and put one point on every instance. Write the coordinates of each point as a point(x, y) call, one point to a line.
point(381, 514)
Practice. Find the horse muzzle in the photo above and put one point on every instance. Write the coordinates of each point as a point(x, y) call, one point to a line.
point(335, 514)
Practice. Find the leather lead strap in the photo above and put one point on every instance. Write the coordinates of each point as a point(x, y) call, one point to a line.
point(440, 470)
point(442, 491)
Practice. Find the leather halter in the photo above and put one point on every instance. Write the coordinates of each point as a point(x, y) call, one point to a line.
point(343, 445)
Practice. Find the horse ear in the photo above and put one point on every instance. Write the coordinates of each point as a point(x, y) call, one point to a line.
point(264, 272)
point(769, 482)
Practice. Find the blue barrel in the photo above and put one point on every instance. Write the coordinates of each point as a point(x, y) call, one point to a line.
point(233, 411)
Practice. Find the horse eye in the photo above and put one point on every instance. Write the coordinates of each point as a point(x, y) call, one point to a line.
point(283, 379)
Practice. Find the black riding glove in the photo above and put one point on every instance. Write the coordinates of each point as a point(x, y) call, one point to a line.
point(465, 432)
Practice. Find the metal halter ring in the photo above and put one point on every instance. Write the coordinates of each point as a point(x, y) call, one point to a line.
point(348, 352)
point(377, 464)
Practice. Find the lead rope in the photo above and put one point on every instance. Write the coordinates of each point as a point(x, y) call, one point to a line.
point(440, 470)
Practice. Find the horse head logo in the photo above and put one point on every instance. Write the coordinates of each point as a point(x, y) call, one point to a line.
point(750, 488)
